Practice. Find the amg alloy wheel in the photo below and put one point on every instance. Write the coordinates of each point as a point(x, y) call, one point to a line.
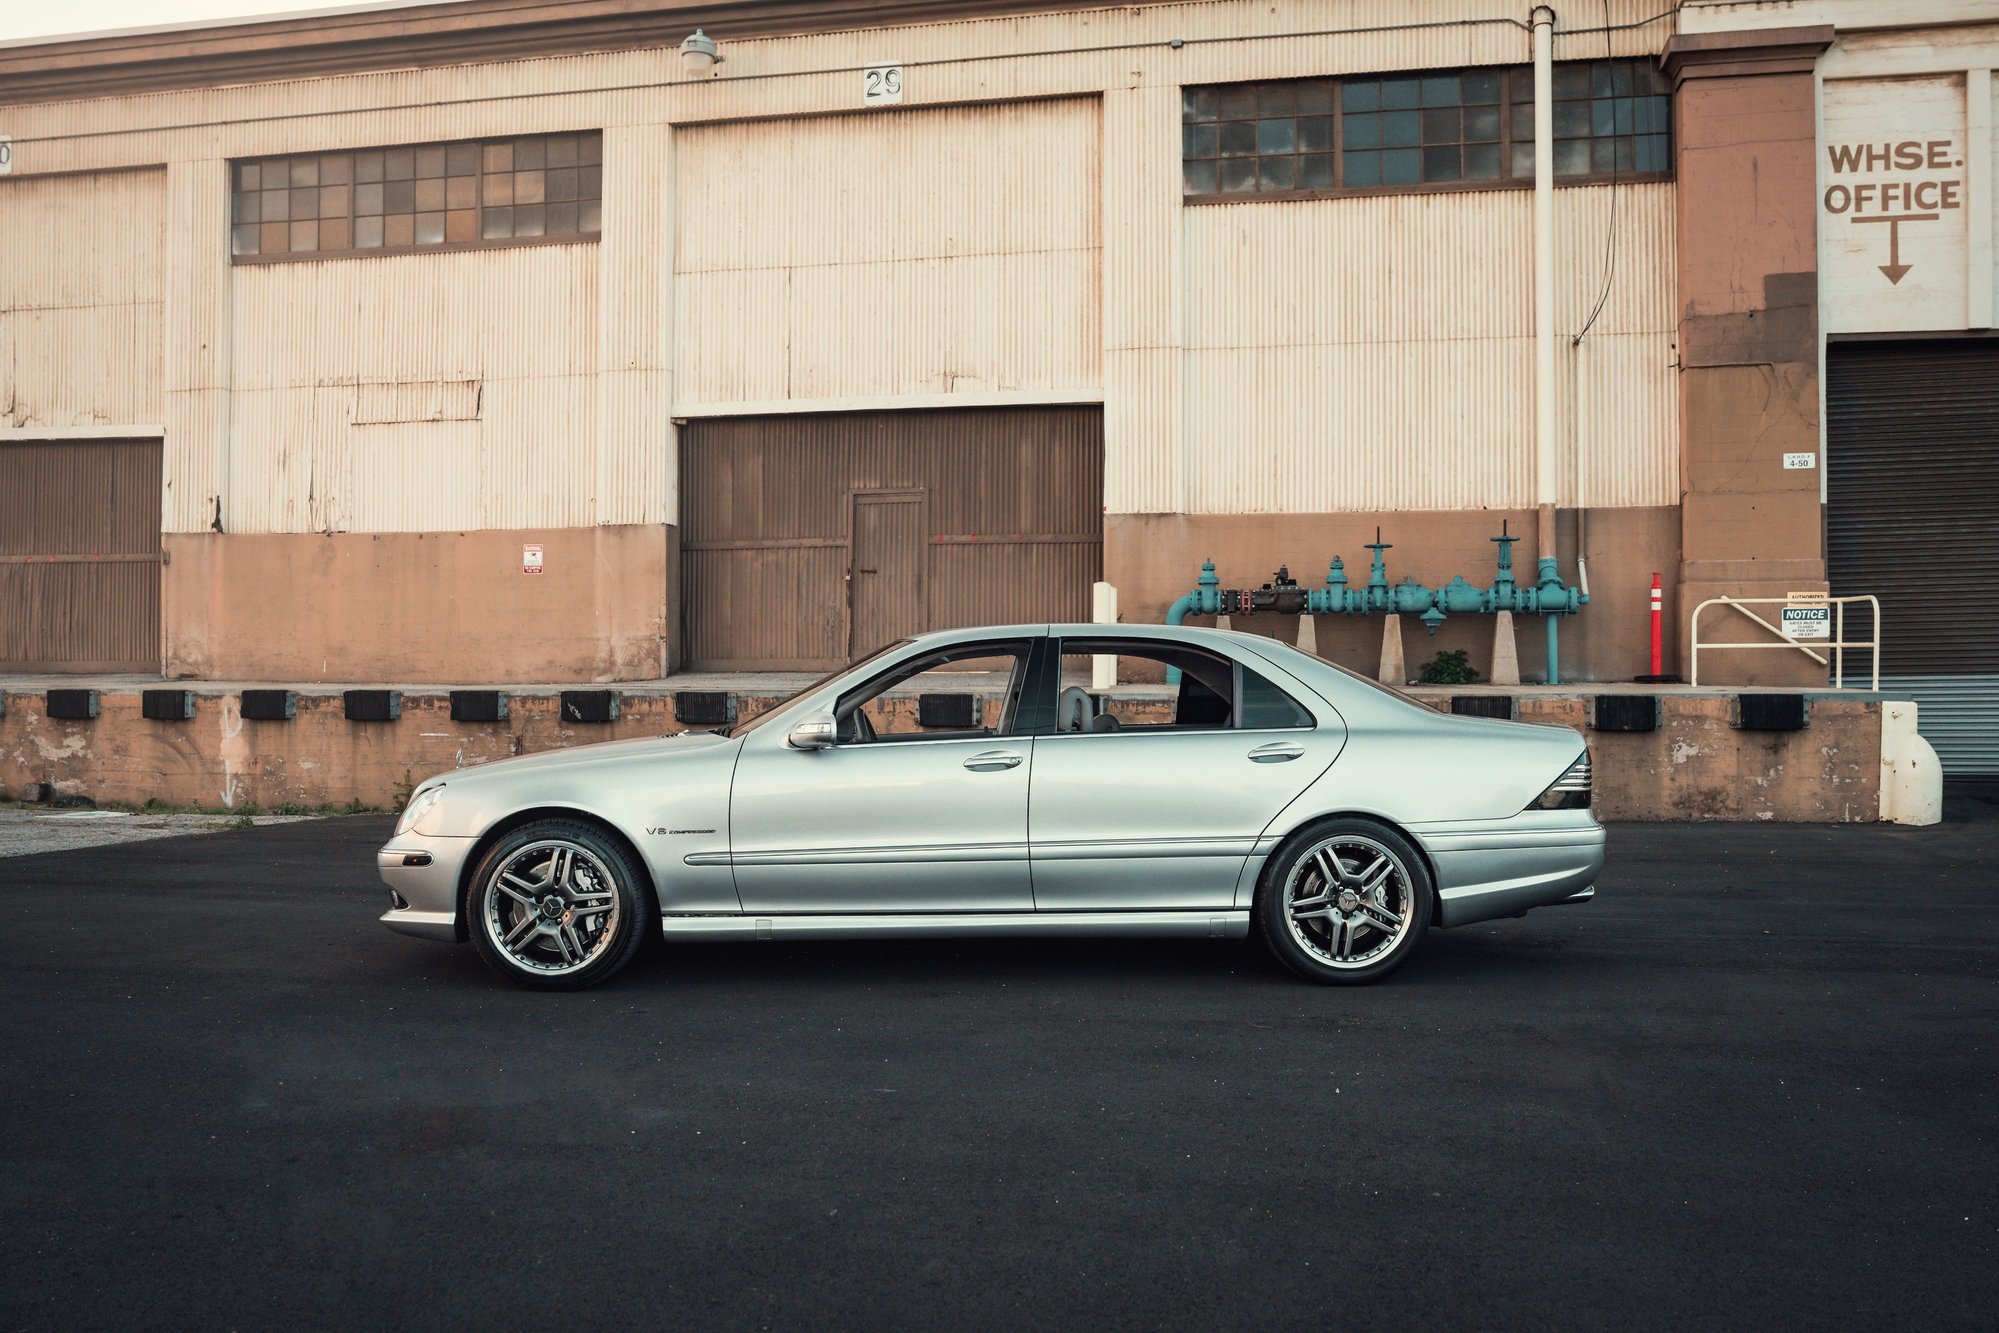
point(1345, 902)
point(558, 906)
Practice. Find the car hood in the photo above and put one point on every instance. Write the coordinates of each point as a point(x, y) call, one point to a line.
point(598, 752)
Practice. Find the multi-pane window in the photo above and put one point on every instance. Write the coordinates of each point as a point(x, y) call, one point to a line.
point(1610, 116)
point(1430, 130)
point(481, 191)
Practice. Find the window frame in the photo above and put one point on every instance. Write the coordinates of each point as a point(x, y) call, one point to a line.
point(1506, 142)
point(1051, 683)
point(479, 145)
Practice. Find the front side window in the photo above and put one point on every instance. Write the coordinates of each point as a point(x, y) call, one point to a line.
point(1167, 687)
point(1439, 129)
point(518, 190)
point(969, 690)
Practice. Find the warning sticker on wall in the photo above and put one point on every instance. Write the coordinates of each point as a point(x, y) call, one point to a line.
point(530, 560)
point(1808, 622)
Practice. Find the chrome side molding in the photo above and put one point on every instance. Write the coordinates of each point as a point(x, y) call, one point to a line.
point(1207, 923)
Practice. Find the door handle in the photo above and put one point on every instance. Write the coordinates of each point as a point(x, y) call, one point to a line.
point(992, 761)
point(1275, 753)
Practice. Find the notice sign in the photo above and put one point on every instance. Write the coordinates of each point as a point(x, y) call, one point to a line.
point(1808, 622)
point(6, 154)
point(530, 560)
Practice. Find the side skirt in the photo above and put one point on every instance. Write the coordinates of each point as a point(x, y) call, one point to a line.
point(1223, 923)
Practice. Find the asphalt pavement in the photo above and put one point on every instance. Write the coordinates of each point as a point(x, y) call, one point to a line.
point(1755, 1083)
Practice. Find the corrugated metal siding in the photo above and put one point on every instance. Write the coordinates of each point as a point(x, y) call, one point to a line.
point(1912, 491)
point(1958, 716)
point(635, 387)
point(737, 331)
point(1912, 497)
point(197, 343)
point(1013, 515)
point(80, 556)
point(1378, 353)
point(522, 323)
point(80, 299)
point(438, 103)
point(916, 252)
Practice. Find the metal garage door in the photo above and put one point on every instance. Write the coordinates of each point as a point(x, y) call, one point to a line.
point(807, 541)
point(1912, 516)
point(80, 555)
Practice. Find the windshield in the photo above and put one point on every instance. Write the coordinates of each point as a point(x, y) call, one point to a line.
point(759, 719)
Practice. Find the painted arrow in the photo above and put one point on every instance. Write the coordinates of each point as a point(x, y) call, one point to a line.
point(1895, 269)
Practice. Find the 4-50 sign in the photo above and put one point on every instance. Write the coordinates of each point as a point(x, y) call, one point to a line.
point(6, 154)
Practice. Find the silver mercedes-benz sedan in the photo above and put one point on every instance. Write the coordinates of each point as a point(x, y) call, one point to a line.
point(977, 782)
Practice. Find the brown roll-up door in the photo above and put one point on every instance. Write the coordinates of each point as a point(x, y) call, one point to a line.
point(1912, 516)
point(809, 540)
point(80, 555)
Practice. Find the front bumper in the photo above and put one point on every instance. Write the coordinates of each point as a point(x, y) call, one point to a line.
point(1499, 868)
point(423, 874)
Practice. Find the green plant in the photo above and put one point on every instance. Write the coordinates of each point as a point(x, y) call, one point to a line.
point(1451, 667)
point(403, 791)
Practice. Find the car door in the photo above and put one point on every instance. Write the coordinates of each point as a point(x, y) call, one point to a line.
point(1162, 807)
point(897, 817)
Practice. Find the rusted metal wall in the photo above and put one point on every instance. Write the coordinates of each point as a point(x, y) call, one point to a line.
point(917, 252)
point(492, 355)
point(80, 555)
point(1013, 527)
point(80, 299)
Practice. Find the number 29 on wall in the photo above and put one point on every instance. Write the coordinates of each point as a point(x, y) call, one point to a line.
point(881, 85)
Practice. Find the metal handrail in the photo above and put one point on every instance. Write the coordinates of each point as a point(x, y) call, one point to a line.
point(1838, 644)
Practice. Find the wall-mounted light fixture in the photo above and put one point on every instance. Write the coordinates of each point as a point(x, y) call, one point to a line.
point(699, 53)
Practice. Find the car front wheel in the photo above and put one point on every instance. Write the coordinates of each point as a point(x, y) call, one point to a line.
point(1345, 902)
point(556, 905)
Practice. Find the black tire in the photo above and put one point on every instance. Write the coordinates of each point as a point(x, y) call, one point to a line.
point(545, 935)
point(1344, 936)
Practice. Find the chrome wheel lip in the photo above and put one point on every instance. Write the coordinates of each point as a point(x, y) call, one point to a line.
point(1367, 902)
point(535, 907)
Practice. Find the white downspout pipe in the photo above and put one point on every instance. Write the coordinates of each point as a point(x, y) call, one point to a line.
point(1544, 275)
point(1584, 438)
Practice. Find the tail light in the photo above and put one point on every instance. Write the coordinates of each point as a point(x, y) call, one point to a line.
point(1571, 791)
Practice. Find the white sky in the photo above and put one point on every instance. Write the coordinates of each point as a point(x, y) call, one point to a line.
point(23, 20)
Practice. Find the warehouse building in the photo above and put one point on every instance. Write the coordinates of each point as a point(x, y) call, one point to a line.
point(500, 341)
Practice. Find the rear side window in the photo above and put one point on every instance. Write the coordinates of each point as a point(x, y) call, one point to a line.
point(1166, 686)
point(1264, 705)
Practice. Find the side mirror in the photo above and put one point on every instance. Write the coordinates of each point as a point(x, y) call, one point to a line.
point(814, 731)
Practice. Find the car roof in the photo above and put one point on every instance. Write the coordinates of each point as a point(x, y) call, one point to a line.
point(1077, 630)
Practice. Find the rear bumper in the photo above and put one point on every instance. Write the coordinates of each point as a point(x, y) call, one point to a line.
point(1502, 868)
point(423, 874)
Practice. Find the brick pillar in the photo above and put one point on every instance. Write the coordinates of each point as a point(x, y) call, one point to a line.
point(1748, 336)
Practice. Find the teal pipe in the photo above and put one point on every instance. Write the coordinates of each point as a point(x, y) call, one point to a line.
point(1546, 596)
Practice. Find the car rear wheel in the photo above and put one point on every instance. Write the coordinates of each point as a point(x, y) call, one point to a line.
point(556, 905)
point(1345, 902)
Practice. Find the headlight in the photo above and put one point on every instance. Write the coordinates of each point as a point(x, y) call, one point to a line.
point(1571, 791)
point(419, 806)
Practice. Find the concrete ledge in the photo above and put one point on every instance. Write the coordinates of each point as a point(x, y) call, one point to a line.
point(1696, 764)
